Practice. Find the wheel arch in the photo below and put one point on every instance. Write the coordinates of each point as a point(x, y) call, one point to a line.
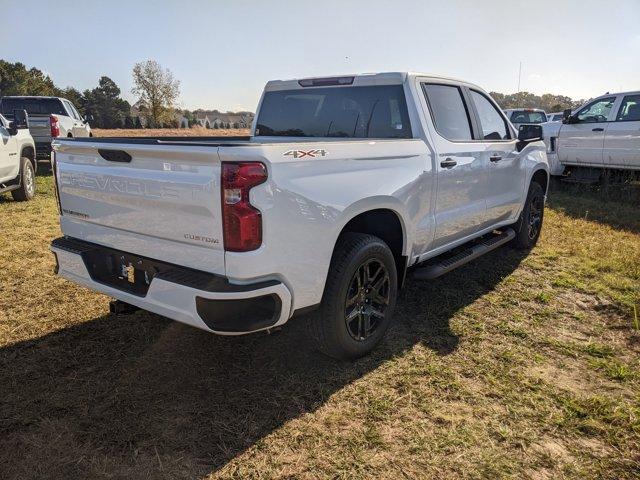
point(385, 223)
point(540, 176)
point(29, 151)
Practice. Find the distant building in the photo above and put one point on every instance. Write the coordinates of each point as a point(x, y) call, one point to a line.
point(204, 118)
point(139, 111)
point(214, 118)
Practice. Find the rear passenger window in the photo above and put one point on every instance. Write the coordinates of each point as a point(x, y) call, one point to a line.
point(494, 127)
point(630, 109)
point(449, 111)
point(70, 110)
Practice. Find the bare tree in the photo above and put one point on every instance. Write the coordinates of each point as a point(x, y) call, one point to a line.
point(157, 88)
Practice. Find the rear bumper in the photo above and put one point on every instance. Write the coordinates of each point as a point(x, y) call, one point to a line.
point(203, 300)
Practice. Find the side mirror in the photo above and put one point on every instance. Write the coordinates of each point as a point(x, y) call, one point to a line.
point(12, 129)
point(88, 118)
point(566, 116)
point(528, 133)
point(20, 119)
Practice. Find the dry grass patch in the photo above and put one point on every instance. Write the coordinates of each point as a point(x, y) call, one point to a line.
point(511, 367)
point(170, 132)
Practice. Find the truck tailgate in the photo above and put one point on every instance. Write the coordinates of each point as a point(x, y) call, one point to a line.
point(158, 201)
point(40, 128)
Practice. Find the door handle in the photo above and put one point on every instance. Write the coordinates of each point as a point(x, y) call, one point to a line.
point(448, 163)
point(597, 129)
point(495, 158)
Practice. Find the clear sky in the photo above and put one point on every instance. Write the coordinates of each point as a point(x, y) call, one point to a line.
point(223, 52)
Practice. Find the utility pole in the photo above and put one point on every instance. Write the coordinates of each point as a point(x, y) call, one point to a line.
point(519, 75)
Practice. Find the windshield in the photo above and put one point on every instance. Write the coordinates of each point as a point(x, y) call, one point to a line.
point(33, 106)
point(349, 112)
point(521, 116)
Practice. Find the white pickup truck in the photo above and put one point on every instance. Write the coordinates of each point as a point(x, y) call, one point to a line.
point(345, 184)
point(49, 118)
point(602, 135)
point(17, 157)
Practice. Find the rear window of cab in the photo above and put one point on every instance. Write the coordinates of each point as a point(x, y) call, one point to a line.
point(33, 106)
point(346, 112)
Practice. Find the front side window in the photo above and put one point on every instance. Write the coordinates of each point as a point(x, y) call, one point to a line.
point(630, 109)
point(349, 112)
point(494, 127)
point(597, 111)
point(449, 111)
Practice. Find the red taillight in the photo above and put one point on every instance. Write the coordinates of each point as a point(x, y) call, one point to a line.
point(55, 126)
point(241, 221)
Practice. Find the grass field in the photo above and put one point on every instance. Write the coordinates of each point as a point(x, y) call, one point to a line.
point(511, 367)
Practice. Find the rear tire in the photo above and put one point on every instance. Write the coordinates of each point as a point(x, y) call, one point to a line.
point(27, 188)
point(359, 297)
point(529, 224)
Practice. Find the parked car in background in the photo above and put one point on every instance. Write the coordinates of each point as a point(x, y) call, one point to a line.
point(603, 134)
point(345, 185)
point(525, 116)
point(17, 157)
point(49, 118)
point(555, 116)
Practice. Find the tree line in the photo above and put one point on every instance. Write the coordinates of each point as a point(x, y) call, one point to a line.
point(158, 92)
point(156, 88)
point(547, 102)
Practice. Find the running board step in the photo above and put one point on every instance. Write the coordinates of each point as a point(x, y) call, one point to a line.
point(474, 251)
point(8, 188)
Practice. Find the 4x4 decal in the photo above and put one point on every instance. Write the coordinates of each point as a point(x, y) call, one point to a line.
point(305, 153)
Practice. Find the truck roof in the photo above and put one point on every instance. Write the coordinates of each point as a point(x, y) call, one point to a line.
point(608, 94)
point(29, 96)
point(360, 79)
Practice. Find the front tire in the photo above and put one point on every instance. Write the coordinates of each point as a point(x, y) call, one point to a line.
point(529, 224)
point(359, 297)
point(27, 188)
